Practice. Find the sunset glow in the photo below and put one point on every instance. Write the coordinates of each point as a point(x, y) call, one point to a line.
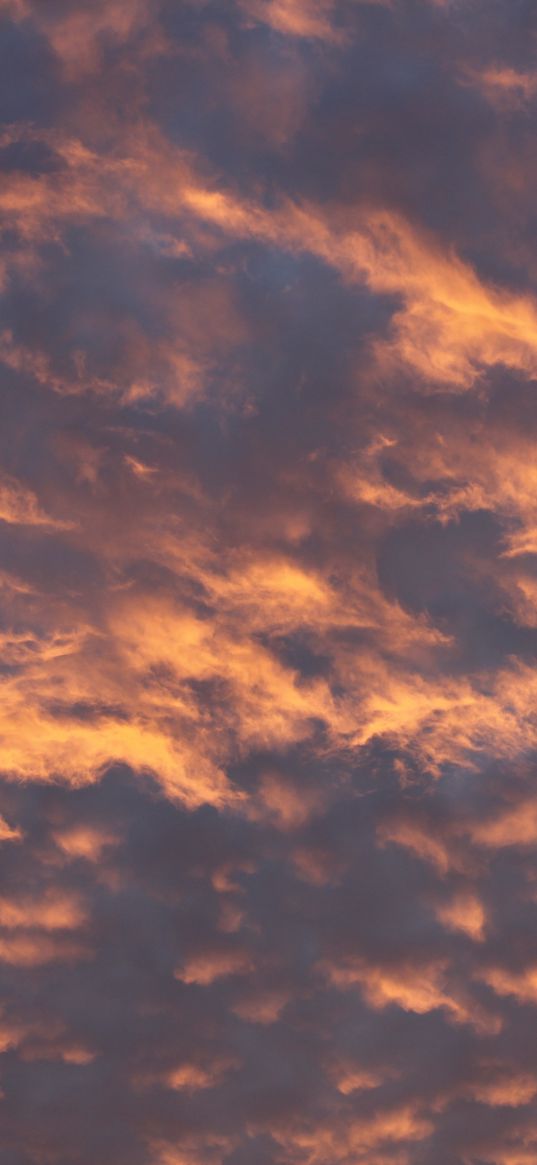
point(268, 582)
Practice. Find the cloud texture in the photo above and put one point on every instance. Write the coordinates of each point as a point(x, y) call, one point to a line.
point(268, 582)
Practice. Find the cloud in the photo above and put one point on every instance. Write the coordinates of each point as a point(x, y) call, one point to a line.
point(419, 989)
point(53, 912)
point(302, 18)
point(465, 913)
point(505, 88)
point(268, 593)
point(19, 506)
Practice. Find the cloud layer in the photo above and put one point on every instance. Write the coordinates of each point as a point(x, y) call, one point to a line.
point(268, 533)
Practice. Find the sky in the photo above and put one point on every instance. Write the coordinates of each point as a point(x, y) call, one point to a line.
point(268, 582)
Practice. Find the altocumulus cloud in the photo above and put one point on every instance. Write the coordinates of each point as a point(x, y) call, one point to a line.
point(268, 586)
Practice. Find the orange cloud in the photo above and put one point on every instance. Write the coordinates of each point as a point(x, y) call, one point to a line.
point(510, 1090)
point(210, 472)
point(350, 1078)
point(192, 1151)
point(521, 984)
point(137, 673)
point(450, 325)
point(84, 841)
point(280, 802)
point(420, 840)
point(77, 37)
point(34, 950)
point(54, 1049)
point(19, 506)
point(465, 912)
point(370, 1139)
point(512, 827)
point(195, 1077)
point(503, 87)
point(261, 1006)
point(418, 988)
point(301, 18)
point(206, 968)
point(8, 832)
point(53, 911)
